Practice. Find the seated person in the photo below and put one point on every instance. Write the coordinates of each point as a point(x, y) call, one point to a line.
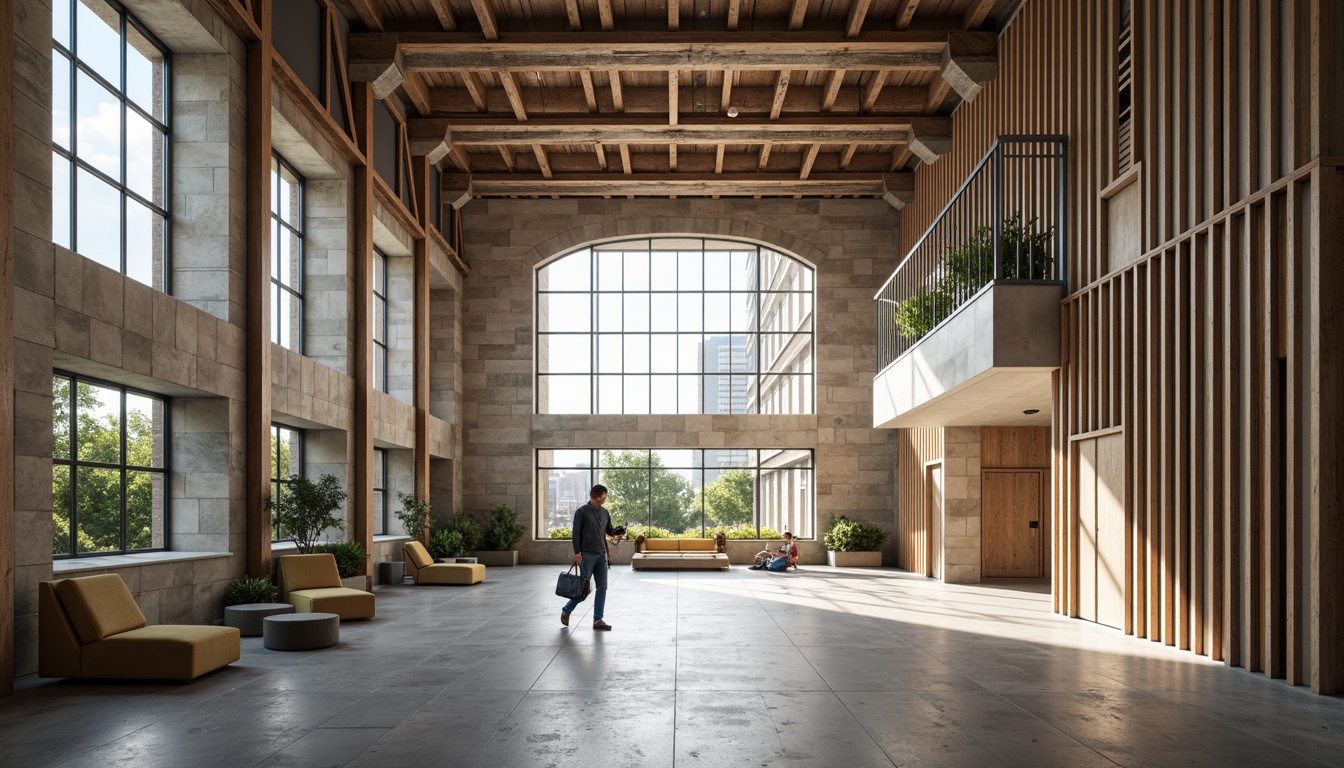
point(788, 549)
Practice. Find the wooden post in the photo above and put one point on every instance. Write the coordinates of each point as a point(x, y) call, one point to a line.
point(361, 368)
point(420, 326)
point(7, 353)
point(258, 468)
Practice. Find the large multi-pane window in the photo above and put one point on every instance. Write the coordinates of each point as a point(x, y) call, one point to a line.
point(379, 491)
point(286, 255)
point(109, 468)
point(379, 321)
point(746, 493)
point(286, 462)
point(674, 325)
point(109, 132)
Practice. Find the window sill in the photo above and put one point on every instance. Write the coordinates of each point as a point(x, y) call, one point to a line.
point(289, 548)
point(75, 565)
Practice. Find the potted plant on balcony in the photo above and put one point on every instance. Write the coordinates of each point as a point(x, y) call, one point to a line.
point(854, 544)
point(500, 538)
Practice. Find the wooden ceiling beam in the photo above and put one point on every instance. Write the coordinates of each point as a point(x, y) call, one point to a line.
point(604, 15)
point(906, 13)
point(445, 13)
point(625, 159)
point(809, 159)
point(969, 62)
point(417, 93)
point(542, 160)
point(515, 98)
point(797, 14)
point(589, 92)
point(764, 159)
point(673, 85)
point(734, 161)
point(938, 91)
point(644, 51)
point(977, 13)
point(673, 15)
point(572, 15)
point(874, 89)
point(857, 13)
point(726, 91)
point(486, 16)
point(475, 89)
point(625, 129)
point(664, 185)
point(751, 101)
point(369, 14)
point(734, 8)
point(781, 91)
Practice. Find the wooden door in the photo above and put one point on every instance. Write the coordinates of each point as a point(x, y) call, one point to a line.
point(1085, 484)
point(1010, 532)
point(933, 481)
point(1110, 531)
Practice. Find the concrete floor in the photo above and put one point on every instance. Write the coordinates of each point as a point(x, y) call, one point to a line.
point(845, 668)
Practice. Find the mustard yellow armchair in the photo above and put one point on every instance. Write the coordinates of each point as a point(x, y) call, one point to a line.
point(423, 570)
point(312, 584)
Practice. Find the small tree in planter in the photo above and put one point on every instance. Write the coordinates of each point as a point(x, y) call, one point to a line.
point(501, 536)
point(455, 538)
point(350, 558)
point(414, 516)
point(852, 543)
point(304, 509)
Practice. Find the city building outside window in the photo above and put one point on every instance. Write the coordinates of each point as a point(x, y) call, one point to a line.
point(286, 461)
point(286, 255)
point(675, 325)
point(109, 468)
point(109, 130)
point(746, 493)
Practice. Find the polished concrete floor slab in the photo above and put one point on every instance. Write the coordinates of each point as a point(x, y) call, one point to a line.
point(826, 667)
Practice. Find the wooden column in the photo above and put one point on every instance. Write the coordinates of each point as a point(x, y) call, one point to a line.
point(258, 472)
point(420, 326)
point(7, 353)
point(361, 368)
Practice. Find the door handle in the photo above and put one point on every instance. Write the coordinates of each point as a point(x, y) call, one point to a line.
point(1034, 524)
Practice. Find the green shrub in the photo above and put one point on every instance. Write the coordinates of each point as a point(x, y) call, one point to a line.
point(447, 544)
point(562, 533)
point(502, 530)
point(350, 556)
point(465, 527)
point(250, 589)
point(414, 515)
point(742, 531)
point(922, 312)
point(845, 535)
point(650, 532)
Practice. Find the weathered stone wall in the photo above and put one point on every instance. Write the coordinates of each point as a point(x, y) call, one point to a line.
point(849, 242)
point(961, 505)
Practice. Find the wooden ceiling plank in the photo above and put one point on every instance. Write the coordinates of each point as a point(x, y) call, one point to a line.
point(809, 159)
point(486, 16)
point(797, 14)
point(617, 98)
point(906, 13)
point(718, 159)
point(476, 89)
point(726, 96)
point(369, 14)
point(781, 90)
point(589, 92)
point(673, 15)
point(507, 155)
point(764, 158)
point(857, 13)
point(572, 14)
point(833, 83)
point(445, 13)
point(734, 8)
point(625, 158)
point(847, 156)
point(604, 14)
point(874, 89)
point(515, 98)
point(601, 156)
point(672, 156)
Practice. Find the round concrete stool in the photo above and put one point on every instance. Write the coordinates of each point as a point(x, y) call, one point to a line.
point(247, 618)
point(300, 631)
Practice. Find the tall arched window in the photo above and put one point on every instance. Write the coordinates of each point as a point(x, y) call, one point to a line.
point(675, 325)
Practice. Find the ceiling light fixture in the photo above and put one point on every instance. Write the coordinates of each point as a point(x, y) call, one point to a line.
point(732, 112)
point(1032, 411)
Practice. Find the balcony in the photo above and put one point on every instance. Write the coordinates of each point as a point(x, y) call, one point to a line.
point(968, 324)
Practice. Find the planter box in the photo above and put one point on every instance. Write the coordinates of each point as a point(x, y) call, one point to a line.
point(854, 559)
point(356, 582)
point(392, 572)
point(496, 559)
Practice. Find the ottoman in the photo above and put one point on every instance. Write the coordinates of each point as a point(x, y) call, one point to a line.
point(247, 618)
point(300, 631)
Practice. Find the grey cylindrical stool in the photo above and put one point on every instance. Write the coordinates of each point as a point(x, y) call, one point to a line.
point(300, 631)
point(247, 618)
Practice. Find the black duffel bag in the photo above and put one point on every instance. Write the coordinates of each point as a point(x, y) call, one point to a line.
point(571, 585)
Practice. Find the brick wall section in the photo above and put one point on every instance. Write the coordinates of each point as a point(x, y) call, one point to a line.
point(961, 505)
point(850, 242)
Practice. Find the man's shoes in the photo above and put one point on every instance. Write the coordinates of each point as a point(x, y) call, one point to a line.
point(564, 618)
point(601, 626)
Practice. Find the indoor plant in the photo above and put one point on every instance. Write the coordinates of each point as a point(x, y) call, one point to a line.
point(248, 590)
point(500, 537)
point(302, 509)
point(350, 559)
point(414, 516)
point(852, 543)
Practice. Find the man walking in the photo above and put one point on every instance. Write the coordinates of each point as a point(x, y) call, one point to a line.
point(591, 525)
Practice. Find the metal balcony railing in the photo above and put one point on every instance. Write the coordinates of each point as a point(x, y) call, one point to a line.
point(1006, 222)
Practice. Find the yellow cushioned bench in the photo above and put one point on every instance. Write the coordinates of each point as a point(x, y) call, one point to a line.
point(312, 584)
point(423, 570)
point(90, 627)
point(678, 554)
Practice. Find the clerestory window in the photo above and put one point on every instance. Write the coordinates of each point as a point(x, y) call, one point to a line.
point(675, 325)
